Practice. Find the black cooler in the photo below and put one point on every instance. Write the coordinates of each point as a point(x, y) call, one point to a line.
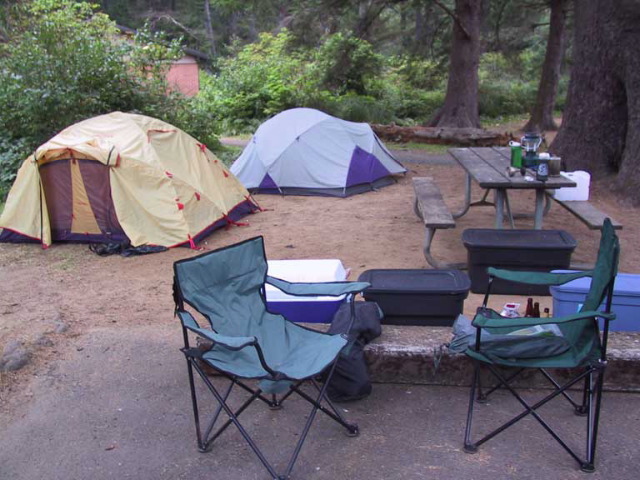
point(417, 297)
point(524, 250)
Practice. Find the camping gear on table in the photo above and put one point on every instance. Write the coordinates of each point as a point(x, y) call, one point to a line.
point(122, 178)
point(530, 143)
point(303, 151)
point(417, 296)
point(226, 288)
point(572, 345)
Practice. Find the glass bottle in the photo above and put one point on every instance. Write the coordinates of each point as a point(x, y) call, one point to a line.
point(529, 310)
point(547, 313)
point(536, 310)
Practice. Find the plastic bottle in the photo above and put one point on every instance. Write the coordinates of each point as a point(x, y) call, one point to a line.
point(529, 310)
point(547, 313)
point(536, 310)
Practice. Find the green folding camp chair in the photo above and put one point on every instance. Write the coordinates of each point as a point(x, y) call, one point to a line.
point(573, 343)
point(227, 287)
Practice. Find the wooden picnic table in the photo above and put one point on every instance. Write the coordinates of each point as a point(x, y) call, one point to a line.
point(488, 166)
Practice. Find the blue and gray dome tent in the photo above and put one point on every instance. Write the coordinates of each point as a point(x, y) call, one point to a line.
point(303, 151)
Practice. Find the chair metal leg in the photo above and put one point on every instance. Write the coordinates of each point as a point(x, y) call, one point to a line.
point(333, 413)
point(582, 410)
point(206, 440)
point(482, 396)
point(352, 428)
point(209, 441)
point(194, 403)
point(316, 406)
point(593, 417)
point(579, 409)
point(233, 417)
point(468, 446)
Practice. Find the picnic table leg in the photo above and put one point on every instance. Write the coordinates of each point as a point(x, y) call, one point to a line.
point(426, 249)
point(537, 222)
point(467, 198)
point(500, 207)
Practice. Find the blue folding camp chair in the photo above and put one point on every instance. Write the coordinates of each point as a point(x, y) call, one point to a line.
point(227, 287)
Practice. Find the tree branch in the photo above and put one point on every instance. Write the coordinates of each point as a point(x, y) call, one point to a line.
point(454, 16)
point(157, 18)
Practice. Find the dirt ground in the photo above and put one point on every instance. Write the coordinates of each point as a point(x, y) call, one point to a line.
point(50, 298)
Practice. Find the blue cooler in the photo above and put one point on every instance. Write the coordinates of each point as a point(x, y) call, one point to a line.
point(568, 298)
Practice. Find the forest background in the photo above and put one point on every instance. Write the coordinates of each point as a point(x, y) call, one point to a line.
point(376, 61)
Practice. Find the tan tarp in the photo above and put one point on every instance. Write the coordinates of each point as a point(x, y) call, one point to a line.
point(166, 187)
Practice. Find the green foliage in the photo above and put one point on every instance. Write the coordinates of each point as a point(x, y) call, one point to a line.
point(65, 62)
point(346, 64)
point(12, 153)
point(508, 86)
point(361, 108)
point(260, 80)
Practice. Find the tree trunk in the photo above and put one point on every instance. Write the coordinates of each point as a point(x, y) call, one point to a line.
point(542, 113)
point(460, 109)
point(600, 131)
point(209, 28)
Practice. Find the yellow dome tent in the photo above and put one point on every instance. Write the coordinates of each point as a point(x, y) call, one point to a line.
point(122, 177)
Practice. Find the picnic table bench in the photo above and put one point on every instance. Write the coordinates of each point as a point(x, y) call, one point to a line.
point(586, 212)
point(429, 206)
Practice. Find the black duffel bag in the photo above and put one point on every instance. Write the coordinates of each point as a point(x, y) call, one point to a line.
point(350, 380)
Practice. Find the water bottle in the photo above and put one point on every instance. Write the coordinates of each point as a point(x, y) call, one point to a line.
point(542, 169)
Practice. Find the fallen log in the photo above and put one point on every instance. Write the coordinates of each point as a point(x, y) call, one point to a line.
point(472, 137)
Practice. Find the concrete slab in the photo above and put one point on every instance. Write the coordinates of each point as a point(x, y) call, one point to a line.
point(119, 407)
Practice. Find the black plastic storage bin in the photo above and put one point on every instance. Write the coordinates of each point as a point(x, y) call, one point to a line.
point(417, 297)
point(524, 250)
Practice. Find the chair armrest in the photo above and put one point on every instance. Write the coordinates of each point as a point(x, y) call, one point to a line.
point(487, 318)
point(330, 289)
point(536, 278)
point(232, 343)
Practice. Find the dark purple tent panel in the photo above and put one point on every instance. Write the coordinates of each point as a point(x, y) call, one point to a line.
point(365, 168)
point(58, 190)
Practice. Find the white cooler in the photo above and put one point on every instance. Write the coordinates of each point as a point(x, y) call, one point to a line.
point(305, 309)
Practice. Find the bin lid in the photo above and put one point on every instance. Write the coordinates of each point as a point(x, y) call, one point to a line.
point(410, 281)
point(518, 239)
point(626, 285)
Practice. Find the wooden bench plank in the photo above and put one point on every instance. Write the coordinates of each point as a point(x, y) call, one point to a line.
point(430, 205)
point(484, 174)
point(590, 215)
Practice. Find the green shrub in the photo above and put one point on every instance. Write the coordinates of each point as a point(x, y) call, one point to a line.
point(262, 79)
point(12, 154)
point(497, 99)
point(65, 62)
point(360, 108)
point(346, 64)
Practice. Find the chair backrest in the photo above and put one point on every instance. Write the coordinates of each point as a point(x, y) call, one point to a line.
point(606, 267)
point(226, 286)
point(584, 333)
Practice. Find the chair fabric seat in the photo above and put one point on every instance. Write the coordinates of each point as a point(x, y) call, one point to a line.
point(572, 358)
point(304, 355)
